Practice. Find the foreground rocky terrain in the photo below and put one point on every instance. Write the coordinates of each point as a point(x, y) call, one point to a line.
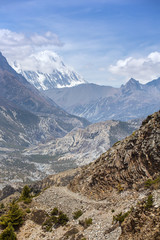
point(115, 197)
point(126, 165)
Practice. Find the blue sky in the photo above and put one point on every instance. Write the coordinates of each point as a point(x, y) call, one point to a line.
point(106, 41)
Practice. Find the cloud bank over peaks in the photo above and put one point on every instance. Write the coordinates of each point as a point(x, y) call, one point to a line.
point(19, 46)
point(143, 69)
point(44, 61)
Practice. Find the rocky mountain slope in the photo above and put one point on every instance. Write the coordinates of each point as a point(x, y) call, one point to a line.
point(17, 92)
point(49, 71)
point(124, 166)
point(27, 118)
point(116, 197)
point(100, 103)
point(82, 146)
point(18, 128)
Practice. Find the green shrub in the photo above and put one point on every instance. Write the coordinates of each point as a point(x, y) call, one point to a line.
point(28, 210)
point(120, 217)
point(54, 212)
point(47, 225)
point(86, 223)
point(54, 219)
point(149, 182)
point(14, 216)
point(25, 195)
point(8, 233)
point(57, 218)
point(62, 219)
point(2, 206)
point(77, 214)
point(149, 202)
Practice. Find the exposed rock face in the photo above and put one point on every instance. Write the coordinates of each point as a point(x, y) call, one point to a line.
point(83, 146)
point(125, 165)
point(140, 223)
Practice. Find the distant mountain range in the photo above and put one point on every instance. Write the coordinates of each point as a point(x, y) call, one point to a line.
point(22, 107)
point(49, 72)
point(99, 103)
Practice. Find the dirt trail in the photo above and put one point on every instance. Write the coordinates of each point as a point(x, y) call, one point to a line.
point(101, 213)
point(69, 201)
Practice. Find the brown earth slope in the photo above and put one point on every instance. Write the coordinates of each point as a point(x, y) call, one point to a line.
point(124, 166)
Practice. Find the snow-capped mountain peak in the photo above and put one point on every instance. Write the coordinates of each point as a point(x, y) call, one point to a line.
point(46, 70)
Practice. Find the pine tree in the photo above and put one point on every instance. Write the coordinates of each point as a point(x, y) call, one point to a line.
point(8, 233)
point(14, 216)
point(25, 195)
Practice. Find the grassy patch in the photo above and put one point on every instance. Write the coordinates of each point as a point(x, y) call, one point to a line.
point(55, 219)
point(149, 202)
point(150, 182)
point(77, 214)
point(86, 223)
point(120, 217)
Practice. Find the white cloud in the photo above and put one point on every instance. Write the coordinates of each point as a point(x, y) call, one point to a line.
point(19, 46)
point(48, 39)
point(143, 69)
point(45, 61)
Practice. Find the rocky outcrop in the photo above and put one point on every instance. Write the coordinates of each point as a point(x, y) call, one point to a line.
point(60, 179)
point(142, 222)
point(124, 166)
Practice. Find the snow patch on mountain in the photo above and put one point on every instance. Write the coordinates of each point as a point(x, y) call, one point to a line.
point(46, 70)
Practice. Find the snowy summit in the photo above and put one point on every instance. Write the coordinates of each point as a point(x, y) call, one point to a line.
point(46, 70)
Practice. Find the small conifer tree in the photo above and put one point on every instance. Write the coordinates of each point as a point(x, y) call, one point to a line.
point(8, 233)
point(25, 193)
point(14, 216)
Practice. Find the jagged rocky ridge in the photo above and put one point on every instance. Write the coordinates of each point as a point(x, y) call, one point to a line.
point(142, 222)
point(99, 103)
point(126, 165)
